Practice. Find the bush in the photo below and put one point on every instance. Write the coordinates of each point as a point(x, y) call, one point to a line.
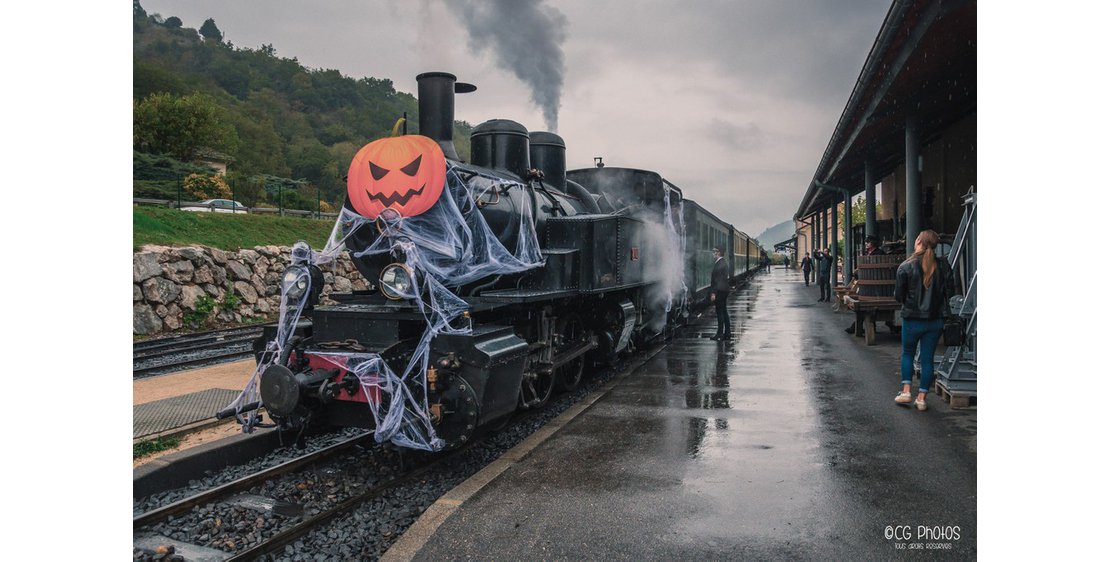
point(203, 186)
point(198, 317)
point(162, 167)
point(230, 302)
point(155, 189)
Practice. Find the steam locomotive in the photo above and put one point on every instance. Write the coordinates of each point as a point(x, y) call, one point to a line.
point(493, 282)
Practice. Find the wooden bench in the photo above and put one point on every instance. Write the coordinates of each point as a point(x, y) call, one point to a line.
point(869, 311)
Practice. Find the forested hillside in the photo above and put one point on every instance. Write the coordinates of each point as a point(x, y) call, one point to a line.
point(283, 127)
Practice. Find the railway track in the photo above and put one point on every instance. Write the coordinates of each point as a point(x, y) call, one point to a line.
point(166, 355)
point(295, 520)
point(354, 506)
point(208, 496)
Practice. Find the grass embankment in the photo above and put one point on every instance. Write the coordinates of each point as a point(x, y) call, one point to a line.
point(170, 227)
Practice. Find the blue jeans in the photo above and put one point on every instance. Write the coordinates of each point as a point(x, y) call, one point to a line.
point(928, 333)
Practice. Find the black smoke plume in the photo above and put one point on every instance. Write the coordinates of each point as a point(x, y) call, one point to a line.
point(526, 38)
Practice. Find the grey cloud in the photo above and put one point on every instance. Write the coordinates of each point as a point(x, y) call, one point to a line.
point(779, 47)
point(745, 137)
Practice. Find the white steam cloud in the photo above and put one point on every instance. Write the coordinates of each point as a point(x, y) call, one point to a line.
point(663, 259)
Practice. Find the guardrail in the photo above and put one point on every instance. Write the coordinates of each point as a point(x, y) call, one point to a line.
point(172, 204)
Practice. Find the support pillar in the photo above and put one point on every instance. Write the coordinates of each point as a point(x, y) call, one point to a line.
point(821, 229)
point(832, 241)
point(913, 183)
point(870, 225)
point(849, 253)
point(813, 234)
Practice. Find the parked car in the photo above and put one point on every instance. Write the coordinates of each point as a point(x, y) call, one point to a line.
point(217, 206)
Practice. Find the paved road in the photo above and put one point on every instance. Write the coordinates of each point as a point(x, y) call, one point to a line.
point(783, 443)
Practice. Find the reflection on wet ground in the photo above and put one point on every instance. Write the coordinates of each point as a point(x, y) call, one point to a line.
point(780, 443)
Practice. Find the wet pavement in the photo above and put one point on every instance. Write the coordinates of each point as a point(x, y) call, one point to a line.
point(784, 442)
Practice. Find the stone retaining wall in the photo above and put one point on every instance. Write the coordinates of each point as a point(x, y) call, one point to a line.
point(169, 282)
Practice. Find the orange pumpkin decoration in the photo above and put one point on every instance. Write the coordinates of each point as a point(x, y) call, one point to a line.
point(403, 173)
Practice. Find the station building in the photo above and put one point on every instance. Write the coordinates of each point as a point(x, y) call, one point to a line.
point(907, 135)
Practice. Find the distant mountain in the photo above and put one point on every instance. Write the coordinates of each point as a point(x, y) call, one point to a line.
point(779, 233)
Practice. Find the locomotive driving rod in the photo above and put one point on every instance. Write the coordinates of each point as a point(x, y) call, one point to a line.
point(571, 355)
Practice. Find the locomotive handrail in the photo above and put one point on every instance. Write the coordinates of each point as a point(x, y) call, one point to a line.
point(495, 199)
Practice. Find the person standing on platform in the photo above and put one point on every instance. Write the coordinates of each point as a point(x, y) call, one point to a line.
point(923, 284)
point(719, 295)
point(871, 246)
point(824, 275)
point(807, 266)
point(786, 262)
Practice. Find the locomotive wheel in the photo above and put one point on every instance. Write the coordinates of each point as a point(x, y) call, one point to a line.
point(535, 389)
point(569, 376)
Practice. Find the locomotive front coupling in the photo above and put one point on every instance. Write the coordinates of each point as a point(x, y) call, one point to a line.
point(284, 391)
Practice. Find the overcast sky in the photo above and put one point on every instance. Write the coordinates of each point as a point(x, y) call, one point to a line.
point(734, 100)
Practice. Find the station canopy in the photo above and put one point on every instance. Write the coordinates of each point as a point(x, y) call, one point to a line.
point(923, 64)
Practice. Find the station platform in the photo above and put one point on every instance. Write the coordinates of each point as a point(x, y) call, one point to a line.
point(187, 400)
point(784, 442)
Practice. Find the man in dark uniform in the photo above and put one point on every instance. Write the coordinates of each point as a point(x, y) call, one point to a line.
point(824, 275)
point(872, 248)
point(718, 287)
point(807, 267)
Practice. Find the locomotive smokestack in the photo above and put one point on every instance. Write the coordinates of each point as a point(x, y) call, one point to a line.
point(436, 94)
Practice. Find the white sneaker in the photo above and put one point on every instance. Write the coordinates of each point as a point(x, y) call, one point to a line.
point(903, 398)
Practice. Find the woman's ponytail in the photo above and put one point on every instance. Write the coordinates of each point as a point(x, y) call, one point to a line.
point(928, 266)
point(929, 240)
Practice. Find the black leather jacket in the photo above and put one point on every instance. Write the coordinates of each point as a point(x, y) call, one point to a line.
point(719, 277)
point(917, 301)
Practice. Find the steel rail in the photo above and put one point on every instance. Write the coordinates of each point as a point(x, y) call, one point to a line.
point(191, 346)
point(197, 336)
point(288, 536)
point(146, 371)
point(244, 483)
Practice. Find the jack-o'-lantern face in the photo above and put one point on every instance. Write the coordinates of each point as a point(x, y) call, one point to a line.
point(404, 173)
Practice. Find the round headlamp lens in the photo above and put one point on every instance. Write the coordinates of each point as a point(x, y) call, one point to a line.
point(396, 281)
point(294, 281)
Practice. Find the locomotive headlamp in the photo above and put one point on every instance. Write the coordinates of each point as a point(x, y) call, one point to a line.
point(396, 281)
point(295, 281)
point(299, 280)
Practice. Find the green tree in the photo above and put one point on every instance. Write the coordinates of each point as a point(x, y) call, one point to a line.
point(261, 149)
point(152, 79)
point(137, 9)
point(180, 126)
point(173, 22)
point(311, 160)
point(209, 30)
point(859, 213)
point(248, 190)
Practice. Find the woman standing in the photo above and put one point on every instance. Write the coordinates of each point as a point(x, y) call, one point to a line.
point(923, 285)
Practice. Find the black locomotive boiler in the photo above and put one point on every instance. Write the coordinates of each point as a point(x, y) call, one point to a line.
point(486, 299)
